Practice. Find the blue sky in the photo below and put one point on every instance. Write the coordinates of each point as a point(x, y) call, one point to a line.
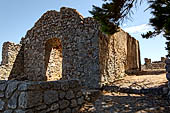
point(18, 16)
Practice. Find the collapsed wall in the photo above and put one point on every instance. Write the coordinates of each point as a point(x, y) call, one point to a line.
point(11, 59)
point(119, 53)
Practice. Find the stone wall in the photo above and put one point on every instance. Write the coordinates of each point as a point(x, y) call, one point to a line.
point(118, 53)
point(168, 76)
point(149, 65)
point(11, 59)
point(40, 97)
point(78, 46)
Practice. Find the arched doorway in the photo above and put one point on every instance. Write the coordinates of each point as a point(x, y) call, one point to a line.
point(53, 59)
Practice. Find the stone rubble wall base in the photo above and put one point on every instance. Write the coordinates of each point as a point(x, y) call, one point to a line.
point(63, 96)
point(168, 75)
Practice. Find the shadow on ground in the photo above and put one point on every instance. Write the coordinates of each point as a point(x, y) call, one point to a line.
point(113, 99)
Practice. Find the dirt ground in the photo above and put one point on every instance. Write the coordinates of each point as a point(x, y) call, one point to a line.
point(117, 102)
point(142, 81)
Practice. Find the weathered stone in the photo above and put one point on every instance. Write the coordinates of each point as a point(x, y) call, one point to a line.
point(2, 81)
point(74, 83)
point(2, 94)
point(70, 94)
point(50, 96)
point(12, 103)
point(63, 104)
point(75, 110)
point(168, 76)
point(30, 99)
point(64, 86)
point(61, 94)
point(19, 111)
point(3, 86)
point(54, 106)
point(167, 68)
point(12, 86)
point(41, 107)
point(73, 103)
point(23, 87)
point(80, 100)
point(169, 84)
point(79, 94)
point(8, 111)
point(167, 61)
point(57, 111)
point(2, 103)
point(165, 90)
point(9, 54)
point(68, 110)
point(29, 111)
point(23, 100)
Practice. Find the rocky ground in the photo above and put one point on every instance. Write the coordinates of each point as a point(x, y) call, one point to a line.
point(133, 94)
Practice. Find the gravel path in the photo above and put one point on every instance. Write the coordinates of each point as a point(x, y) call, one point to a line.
point(116, 102)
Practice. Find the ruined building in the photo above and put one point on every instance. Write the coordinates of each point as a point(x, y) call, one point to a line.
point(64, 45)
point(150, 65)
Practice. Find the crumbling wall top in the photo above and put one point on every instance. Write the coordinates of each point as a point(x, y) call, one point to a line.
point(9, 52)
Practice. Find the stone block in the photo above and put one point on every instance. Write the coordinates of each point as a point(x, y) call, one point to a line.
point(75, 110)
point(50, 96)
point(61, 94)
point(167, 68)
point(80, 100)
point(12, 86)
point(63, 104)
point(23, 100)
point(168, 76)
point(3, 86)
point(2, 103)
point(73, 103)
point(167, 61)
point(19, 111)
point(70, 95)
point(8, 111)
point(30, 99)
point(2, 94)
point(64, 86)
point(12, 103)
point(54, 107)
point(68, 110)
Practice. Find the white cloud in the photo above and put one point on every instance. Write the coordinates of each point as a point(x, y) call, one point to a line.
point(143, 28)
point(124, 25)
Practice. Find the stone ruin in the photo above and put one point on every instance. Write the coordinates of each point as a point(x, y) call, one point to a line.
point(59, 48)
point(66, 45)
point(149, 65)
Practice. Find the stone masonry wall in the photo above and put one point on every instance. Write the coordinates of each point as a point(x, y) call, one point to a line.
point(64, 45)
point(10, 56)
point(149, 65)
point(79, 41)
point(40, 97)
point(168, 76)
point(133, 54)
point(118, 53)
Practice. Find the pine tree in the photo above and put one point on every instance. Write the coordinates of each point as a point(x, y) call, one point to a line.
point(114, 12)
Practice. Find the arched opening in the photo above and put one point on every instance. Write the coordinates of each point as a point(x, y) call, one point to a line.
point(53, 59)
